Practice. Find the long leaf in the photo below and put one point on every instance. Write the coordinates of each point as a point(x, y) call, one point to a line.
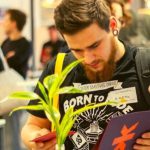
point(69, 90)
point(59, 80)
point(56, 114)
point(42, 89)
point(25, 95)
point(79, 111)
point(31, 107)
point(49, 80)
point(67, 129)
point(66, 117)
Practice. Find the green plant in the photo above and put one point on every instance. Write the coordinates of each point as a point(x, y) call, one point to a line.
point(52, 84)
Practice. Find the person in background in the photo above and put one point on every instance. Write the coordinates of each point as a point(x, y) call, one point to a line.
point(17, 51)
point(132, 29)
point(51, 47)
point(118, 10)
point(16, 48)
point(91, 32)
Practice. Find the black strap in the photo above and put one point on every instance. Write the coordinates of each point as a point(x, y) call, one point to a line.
point(142, 59)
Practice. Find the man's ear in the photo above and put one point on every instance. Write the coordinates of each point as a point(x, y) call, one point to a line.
point(114, 26)
point(113, 23)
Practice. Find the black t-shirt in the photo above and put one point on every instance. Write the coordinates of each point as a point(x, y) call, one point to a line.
point(22, 49)
point(90, 125)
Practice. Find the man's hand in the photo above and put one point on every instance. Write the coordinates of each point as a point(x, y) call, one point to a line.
point(143, 143)
point(50, 145)
point(10, 54)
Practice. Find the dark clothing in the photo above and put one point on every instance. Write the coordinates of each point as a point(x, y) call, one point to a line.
point(22, 49)
point(137, 33)
point(51, 49)
point(1, 65)
point(124, 79)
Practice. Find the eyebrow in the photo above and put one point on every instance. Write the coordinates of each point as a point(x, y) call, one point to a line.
point(90, 46)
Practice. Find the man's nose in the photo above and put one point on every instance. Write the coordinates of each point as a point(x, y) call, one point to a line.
point(89, 57)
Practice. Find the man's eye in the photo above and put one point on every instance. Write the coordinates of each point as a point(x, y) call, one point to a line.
point(77, 51)
point(94, 46)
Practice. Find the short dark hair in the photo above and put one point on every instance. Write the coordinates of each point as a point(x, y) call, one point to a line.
point(18, 16)
point(72, 16)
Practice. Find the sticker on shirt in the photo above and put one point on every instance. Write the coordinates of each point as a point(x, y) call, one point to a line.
point(126, 95)
point(79, 140)
point(84, 137)
point(99, 86)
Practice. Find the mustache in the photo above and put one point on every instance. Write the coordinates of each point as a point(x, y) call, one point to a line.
point(94, 62)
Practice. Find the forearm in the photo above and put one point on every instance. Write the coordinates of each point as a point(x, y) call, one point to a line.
point(34, 128)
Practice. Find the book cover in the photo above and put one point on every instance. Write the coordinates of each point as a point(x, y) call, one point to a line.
point(121, 132)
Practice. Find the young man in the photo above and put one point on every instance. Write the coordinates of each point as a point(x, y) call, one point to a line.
point(91, 33)
point(16, 48)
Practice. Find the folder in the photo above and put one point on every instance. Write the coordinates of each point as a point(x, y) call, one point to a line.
point(122, 132)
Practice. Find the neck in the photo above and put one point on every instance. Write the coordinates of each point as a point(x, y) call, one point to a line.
point(15, 35)
point(120, 50)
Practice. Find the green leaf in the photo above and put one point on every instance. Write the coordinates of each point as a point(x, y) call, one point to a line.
point(65, 120)
point(69, 90)
point(30, 107)
point(49, 80)
point(66, 117)
point(43, 91)
point(67, 129)
point(25, 95)
point(56, 114)
point(59, 80)
point(91, 106)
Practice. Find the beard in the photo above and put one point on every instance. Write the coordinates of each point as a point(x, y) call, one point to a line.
point(108, 69)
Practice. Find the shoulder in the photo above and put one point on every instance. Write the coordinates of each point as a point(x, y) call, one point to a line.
point(24, 40)
point(48, 43)
point(131, 50)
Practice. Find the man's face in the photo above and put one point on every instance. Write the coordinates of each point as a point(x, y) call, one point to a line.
point(8, 24)
point(96, 46)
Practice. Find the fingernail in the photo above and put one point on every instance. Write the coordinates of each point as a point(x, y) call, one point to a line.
point(137, 141)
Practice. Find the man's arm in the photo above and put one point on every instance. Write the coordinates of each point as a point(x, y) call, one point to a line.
point(34, 128)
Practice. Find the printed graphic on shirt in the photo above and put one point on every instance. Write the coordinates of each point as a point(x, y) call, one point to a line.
point(91, 124)
point(99, 86)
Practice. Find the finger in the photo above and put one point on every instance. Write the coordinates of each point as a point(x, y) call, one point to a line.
point(50, 144)
point(142, 141)
point(146, 135)
point(141, 147)
point(37, 146)
point(44, 131)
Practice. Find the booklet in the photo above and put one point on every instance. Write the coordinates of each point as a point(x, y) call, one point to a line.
point(48, 137)
point(121, 132)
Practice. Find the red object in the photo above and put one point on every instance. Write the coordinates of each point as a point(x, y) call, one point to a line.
point(48, 137)
point(113, 24)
